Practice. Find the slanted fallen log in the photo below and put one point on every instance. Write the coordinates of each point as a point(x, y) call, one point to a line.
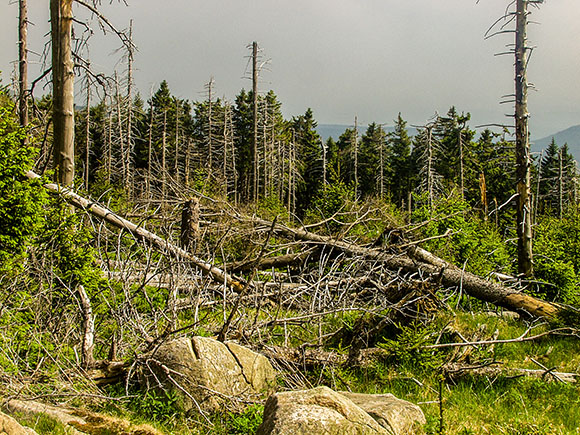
point(428, 265)
point(102, 212)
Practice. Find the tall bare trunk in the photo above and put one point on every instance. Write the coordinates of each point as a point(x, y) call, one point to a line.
point(523, 162)
point(149, 154)
point(130, 111)
point(110, 147)
point(88, 134)
point(121, 132)
point(255, 115)
point(560, 185)
point(461, 182)
point(176, 162)
point(163, 158)
point(210, 126)
point(355, 158)
point(23, 63)
point(61, 18)
point(430, 180)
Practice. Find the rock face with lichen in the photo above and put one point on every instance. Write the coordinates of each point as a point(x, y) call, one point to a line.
point(396, 415)
point(206, 374)
point(324, 411)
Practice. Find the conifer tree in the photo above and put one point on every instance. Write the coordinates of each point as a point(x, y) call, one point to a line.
point(372, 159)
point(400, 174)
point(309, 154)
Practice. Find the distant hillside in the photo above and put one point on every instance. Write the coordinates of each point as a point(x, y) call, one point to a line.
point(571, 136)
point(335, 130)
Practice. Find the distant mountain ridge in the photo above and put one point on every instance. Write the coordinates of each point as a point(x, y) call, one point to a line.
point(571, 136)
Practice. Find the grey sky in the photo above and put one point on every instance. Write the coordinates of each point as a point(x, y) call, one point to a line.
point(370, 58)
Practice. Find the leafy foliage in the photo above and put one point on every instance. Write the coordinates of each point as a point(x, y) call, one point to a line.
point(407, 349)
point(20, 199)
point(470, 241)
point(557, 258)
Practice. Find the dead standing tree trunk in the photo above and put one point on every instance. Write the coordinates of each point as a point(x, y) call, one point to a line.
point(23, 64)
point(61, 19)
point(190, 224)
point(255, 116)
point(523, 161)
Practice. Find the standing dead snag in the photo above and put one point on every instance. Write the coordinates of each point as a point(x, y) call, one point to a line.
point(88, 342)
point(190, 224)
point(255, 117)
point(523, 161)
point(61, 19)
point(23, 63)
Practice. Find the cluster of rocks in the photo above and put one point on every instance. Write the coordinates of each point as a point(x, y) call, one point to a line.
point(207, 375)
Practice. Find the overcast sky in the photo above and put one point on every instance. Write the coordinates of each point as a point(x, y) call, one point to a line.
point(369, 58)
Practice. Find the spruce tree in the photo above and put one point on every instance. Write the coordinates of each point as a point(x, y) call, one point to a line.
point(309, 154)
point(372, 152)
point(400, 174)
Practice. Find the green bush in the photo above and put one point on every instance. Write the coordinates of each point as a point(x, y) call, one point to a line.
point(336, 197)
point(20, 199)
point(557, 256)
point(408, 351)
point(471, 241)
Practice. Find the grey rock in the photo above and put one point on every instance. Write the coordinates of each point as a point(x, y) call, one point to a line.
point(316, 411)
point(205, 373)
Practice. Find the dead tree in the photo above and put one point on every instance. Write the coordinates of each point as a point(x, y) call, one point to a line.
point(523, 160)
point(23, 63)
point(61, 19)
point(141, 233)
point(130, 144)
point(417, 260)
point(255, 116)
point(209, 87)
point(355, 150)
point(88, 133)
point(190, 224)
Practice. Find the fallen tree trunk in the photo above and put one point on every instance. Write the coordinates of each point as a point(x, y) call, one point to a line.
point(104, 213)
point(287, 260)
point(455, 372)
point(448, 275)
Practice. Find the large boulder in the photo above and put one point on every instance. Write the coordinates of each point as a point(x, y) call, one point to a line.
point(316, 411)
point(397, 416)
point(9, 426)
point(324, 411)
point(205, 373)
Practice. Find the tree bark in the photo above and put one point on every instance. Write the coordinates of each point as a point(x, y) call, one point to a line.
point(523, 161)
point(287, 260)
point(61, 18)
point(88, 340)
point(190, 224)
point(88, 134)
